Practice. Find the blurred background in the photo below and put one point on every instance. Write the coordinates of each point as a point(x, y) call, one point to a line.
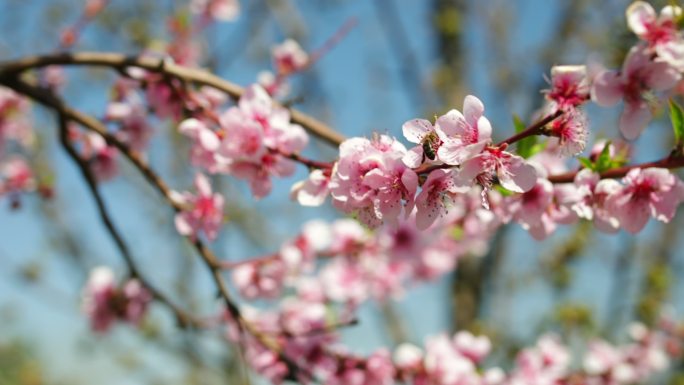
point(404, 59)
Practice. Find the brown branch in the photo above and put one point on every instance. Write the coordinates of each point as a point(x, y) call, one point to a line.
point(536, 128)
point(184, 318)
point(119, 62)
point(670, 162)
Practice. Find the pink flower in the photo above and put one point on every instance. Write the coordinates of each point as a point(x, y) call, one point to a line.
point(476, 348)
point(221, 10)
point(258, 136)
point(16, 176)
point(531, 209)
point(646, 192)
point(344, 281)
point(274, 85)
point(408, 356)
point(545, 363)
point(602, 358)
point(659, 32)
point(639, 76)
point(101, 157)
point(571, 130)
point(137, 298)
point(289, 57)
point(379, 368)
point(97, 297)
point(260, 279)
point(513, 172)
point(464, 135)
point(569, 86)
point(445, 364)
point(371, 180)
point(313, 190)
point(204, 211)
point(205, 145)
point(427, 137)
point(53, 77)
point(162, 98)
point(591, 202)
point(104, 302)
point(435, 198)
point(134, 129)
point(13, 123)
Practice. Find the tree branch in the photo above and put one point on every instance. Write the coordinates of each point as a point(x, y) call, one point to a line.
point(119, 62)
point(184, 318)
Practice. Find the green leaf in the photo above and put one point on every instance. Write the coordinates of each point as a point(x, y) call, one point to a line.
point(457, 233)
point(587, 163)
point(518, 124)
point(603, 162)
point(525, 147)
point(503, 191)
point(677, 118)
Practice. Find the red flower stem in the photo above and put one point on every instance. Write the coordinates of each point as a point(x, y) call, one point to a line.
point(534, 129)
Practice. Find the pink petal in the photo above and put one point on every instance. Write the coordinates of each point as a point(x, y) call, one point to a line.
point(634, 120)
point(455, 153)
point(484, 129)
point(662, 76)
point(669, 13)
point(518, 175)
point(202, 185)
point(607, 88)
point(637, 59)
point(633, 216)
point(410, 181)
point(182, 225)
point(541, 230)
point(451, 124)
point(468, 172)
point(208, 139)
point(473, 109)
point(413, 157)
point(640, 15)
point(416, 129)
point(665, 207)
point(375, 179)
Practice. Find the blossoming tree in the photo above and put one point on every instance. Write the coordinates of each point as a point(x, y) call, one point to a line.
point(407, 214)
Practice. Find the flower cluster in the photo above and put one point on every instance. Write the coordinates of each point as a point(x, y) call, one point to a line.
point(253, 141)
point(362, 265)
point(127, 109)
point(202, 213)
point(302, 331)
point(378, 179)
point(16, 175)
point(104, 301)
point(288, 59)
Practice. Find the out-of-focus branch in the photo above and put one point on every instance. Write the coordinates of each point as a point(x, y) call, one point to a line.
point(11, 70)
point(184, 318)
